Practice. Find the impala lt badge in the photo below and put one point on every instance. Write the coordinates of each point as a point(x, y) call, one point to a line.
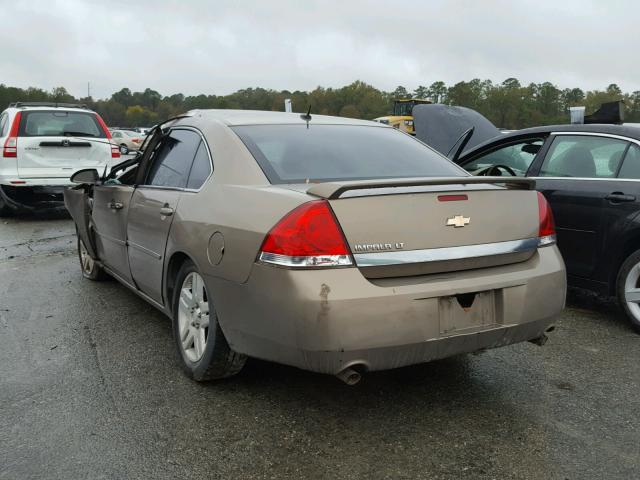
point(378, 247)
point(458, 221)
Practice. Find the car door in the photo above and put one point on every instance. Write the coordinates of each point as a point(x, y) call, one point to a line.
point(109, 218)
point(578, 177)
point(153, 205)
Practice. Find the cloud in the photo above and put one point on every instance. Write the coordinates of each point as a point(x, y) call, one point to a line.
point(218, 47)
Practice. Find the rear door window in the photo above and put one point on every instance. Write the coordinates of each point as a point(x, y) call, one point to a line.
point(583, 156)
point(299, 154)
point(631, 164)
point(45, 123)
point(201, 168)
point(172, 160)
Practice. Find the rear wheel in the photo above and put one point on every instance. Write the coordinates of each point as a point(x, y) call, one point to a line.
point(124, 149)
point(5, 211)
point(202, 347)
point(628, 288)
point(90, 269)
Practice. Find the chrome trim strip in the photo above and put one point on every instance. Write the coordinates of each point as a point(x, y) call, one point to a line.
point(306, 262)
point(446, 253)
point(595, 179)
point(117, 241)
point(597, 134)
point(151, 253)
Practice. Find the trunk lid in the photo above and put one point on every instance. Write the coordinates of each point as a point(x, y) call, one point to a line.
point(55, 144)
point(419, 229)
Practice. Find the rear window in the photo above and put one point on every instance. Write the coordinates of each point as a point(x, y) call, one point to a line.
point(297, 154)
point(58, 123)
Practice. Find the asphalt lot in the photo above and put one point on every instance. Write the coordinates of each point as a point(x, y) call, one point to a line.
point(90, 388)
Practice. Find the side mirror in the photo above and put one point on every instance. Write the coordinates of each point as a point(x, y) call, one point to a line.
point(87, 175)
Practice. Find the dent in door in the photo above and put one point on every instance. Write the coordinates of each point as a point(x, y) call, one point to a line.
point(150, 218)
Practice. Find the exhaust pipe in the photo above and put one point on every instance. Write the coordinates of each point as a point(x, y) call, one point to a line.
point(349, 376)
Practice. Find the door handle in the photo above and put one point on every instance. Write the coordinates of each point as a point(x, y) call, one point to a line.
point(115, 205)
point(619, 197)
point(166, 211)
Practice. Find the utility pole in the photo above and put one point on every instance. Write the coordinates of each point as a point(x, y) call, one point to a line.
point(88, 89)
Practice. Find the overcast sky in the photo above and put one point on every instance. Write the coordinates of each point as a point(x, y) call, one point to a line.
point(217, 47)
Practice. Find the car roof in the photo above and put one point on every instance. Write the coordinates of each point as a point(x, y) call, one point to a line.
point(260, 117)
point(630, 131)
point(63, 109)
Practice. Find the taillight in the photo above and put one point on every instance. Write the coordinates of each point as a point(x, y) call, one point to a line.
point(10, 149)
point(308, 236)
point(115, 150)
point(547, 228)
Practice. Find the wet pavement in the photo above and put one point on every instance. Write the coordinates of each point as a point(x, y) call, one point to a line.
point(90, 388)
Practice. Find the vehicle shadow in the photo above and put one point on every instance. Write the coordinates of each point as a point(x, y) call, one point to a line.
point(605, 306)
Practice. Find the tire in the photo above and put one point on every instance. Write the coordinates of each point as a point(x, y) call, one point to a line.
point(628, 282)
point(203, 349)
point(90, 269)
point(5, 210)
point(124, 149)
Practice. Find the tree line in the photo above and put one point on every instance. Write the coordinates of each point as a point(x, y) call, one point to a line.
point(508, 104)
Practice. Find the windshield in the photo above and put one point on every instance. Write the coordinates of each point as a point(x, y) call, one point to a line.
point(297, 154)
point(59, 123)
point(403, 108)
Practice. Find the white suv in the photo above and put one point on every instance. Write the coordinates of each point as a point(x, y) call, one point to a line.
point(43, 144)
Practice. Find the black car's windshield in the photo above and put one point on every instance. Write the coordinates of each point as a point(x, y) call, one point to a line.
point(297, 154)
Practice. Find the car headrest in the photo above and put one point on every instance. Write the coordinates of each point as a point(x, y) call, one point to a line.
point(577, 162)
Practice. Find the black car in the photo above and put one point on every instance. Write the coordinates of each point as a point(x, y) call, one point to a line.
point(590, 174)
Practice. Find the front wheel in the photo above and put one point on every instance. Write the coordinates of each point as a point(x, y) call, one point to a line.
point(202, 347)
point(628, 288)
point(90, 269)
point(124, 149)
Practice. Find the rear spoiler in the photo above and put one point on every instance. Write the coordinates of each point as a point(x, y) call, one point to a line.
point(333, 190)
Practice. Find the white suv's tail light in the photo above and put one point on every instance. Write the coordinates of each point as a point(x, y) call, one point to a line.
point(547, 228)
point(10, 148)
point(115, 149)
point(308, 236)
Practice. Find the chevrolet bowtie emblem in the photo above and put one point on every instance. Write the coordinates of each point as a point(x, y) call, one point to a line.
point(458, 221)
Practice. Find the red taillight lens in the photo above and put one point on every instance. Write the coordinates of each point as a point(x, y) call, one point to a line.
point(547, 228)
point(115, 150)
point(308, 236)
point(10, 149)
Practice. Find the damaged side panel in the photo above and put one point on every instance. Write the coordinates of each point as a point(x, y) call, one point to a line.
point(77, 201)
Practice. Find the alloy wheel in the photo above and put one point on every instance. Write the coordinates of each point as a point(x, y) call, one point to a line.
point(193, 317)
point(632, 291)
point(87, 263)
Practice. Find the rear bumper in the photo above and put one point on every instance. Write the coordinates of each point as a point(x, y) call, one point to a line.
point(328, 320)
point(32, 198)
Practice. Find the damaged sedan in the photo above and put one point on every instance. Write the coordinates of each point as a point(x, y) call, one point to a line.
point(334, 245)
